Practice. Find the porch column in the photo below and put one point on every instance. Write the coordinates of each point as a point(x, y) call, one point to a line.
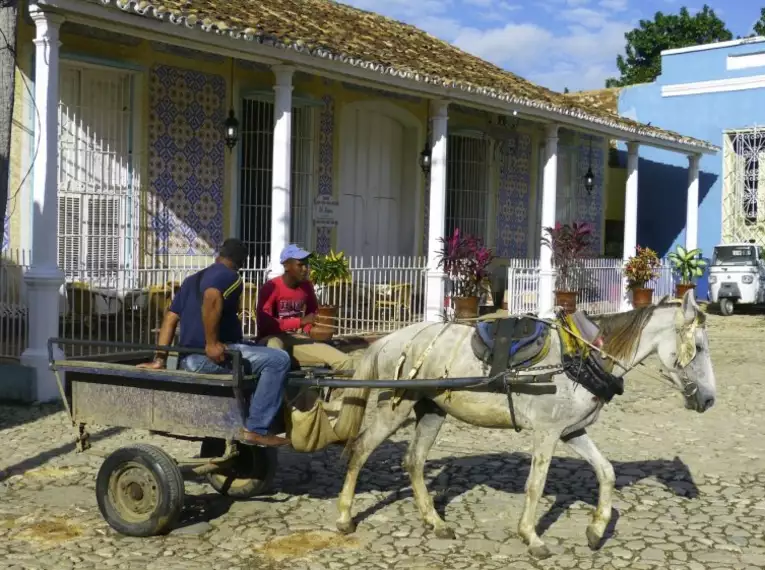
point(281, 167)
point(692, 207)
point(434, 286)
point(630, 213)
point(44, 278)
point(549, 194)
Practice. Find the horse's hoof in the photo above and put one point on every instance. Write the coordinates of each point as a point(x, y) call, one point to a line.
point(540, 552)
point(346, 527)
point(594, 539)
point(445, 532)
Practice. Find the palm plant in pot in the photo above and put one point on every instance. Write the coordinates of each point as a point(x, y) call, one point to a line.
point(641, 268)
point(465, 260)
point(568, 244)
point(689, 266)
point(328, 271)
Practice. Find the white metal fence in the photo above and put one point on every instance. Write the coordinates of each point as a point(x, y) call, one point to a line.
point(598, 281)
point(383, 294)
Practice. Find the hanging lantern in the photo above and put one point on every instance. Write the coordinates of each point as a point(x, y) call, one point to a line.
point(425, 160)
point(589, 180)
point(232, 130)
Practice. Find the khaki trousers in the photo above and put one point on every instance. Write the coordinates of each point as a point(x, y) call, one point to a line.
point(308, 352)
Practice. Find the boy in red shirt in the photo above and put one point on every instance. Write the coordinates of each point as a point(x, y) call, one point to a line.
point(287, 304)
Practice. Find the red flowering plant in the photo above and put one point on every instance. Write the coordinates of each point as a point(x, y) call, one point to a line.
point(465, 260)
point(641, 268)
point(568, 244)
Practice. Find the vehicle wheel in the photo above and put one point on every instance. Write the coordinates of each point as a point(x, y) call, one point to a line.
point(726, 307)
point(140, 490)
point(249, 475)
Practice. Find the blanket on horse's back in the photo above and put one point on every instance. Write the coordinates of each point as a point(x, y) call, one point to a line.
point(523, 341)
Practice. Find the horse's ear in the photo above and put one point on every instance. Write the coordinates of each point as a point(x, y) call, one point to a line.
point(689, 306)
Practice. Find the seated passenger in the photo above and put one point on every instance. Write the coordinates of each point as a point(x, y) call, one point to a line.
point(206, 308)
point(287, 304)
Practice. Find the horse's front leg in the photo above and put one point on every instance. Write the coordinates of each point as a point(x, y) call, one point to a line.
point(544, 447)
point(583, 445)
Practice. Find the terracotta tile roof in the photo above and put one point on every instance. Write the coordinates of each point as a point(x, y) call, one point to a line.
point(601, 99)
point(327, 29)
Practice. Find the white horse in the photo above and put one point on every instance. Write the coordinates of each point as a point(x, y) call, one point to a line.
point(676, 333)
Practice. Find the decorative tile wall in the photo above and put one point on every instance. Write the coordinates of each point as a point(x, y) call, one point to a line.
point(590, 208)
point(326, 163)
point(7, 227)
point(513, 201)
point(426, 225)
point(187, 161)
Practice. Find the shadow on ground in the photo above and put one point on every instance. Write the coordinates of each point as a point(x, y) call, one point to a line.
point(569, 481)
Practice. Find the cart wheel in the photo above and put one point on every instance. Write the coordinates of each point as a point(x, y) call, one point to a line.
point(726, 307)
point(140, 490)
point(249, 475)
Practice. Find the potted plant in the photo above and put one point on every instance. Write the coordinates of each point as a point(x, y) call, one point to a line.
point(689, 266)
point(568, 244)
point(640, 269)
point(327, 272)
point(465, 260)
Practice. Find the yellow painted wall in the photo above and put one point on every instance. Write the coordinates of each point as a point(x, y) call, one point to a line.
point(617, 182)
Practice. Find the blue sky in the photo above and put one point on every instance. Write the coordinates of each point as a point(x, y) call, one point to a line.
point(555, 43)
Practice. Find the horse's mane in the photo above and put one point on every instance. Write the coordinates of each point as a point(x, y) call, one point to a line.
point(621, 331)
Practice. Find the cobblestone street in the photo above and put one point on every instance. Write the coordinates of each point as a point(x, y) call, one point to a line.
point(690, 492)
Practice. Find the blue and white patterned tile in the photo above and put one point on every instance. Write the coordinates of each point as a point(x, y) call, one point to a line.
point(187, 168)
point(513, 199)
point(326, 165)
point(590, 207)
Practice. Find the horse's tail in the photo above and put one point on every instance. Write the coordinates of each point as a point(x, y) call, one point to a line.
point(355, 400)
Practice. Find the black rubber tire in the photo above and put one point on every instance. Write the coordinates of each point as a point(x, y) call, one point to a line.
point(251, 474)
point(726, 307)
point(160, 474)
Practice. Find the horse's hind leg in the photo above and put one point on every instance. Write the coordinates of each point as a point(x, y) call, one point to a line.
point(430, 418)
point(587, 450)
point(387, 420)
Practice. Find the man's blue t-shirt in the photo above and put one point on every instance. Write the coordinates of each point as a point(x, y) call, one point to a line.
point(188, 304)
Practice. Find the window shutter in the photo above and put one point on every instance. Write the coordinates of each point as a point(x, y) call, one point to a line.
point(103, 233)
point(69, 228)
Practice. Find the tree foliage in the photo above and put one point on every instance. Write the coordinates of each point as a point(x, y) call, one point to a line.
point(759, 26)
point(642, 60)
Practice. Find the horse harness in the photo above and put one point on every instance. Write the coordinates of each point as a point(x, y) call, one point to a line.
point(517, 344)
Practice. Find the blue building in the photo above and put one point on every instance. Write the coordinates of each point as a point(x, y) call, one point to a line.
point(714, 92)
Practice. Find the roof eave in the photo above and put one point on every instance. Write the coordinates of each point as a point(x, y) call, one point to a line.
point(207, 35)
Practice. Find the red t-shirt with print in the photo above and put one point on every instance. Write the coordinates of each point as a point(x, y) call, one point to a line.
point(281, 308)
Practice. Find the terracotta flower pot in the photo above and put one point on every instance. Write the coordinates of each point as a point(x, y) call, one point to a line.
point(465, 307)
point(567, 300)
point(682, 288)
point(641, 297)
point(324, 328)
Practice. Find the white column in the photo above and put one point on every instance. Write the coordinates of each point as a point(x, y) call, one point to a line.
point(692, 207)
point(44, 278)
point(630, 213)
point(434, 286)
point(281, 166)
point(549, 194)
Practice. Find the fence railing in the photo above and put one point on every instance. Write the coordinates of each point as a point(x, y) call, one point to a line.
point(598, 282)
point(127, 305)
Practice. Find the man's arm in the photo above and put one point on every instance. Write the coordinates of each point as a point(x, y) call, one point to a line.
point(267, 316)
point(312, 303)
point(212, 309)
point(166, 334)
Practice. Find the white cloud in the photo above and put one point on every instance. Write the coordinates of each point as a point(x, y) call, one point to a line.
point(574, 44)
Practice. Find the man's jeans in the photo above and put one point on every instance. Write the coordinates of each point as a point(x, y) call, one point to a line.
point(272, 366)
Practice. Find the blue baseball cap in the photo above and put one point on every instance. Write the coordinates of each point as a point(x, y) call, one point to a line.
point(292, 251)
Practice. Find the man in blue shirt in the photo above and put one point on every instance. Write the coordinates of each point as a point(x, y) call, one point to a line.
point(206, 308)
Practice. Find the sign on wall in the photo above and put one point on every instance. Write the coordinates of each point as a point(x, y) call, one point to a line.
point(326, 211)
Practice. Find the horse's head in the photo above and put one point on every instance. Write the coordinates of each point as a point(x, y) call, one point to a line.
point(682, 347)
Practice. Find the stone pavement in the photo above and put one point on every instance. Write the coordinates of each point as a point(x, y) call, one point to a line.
point(691, 492)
